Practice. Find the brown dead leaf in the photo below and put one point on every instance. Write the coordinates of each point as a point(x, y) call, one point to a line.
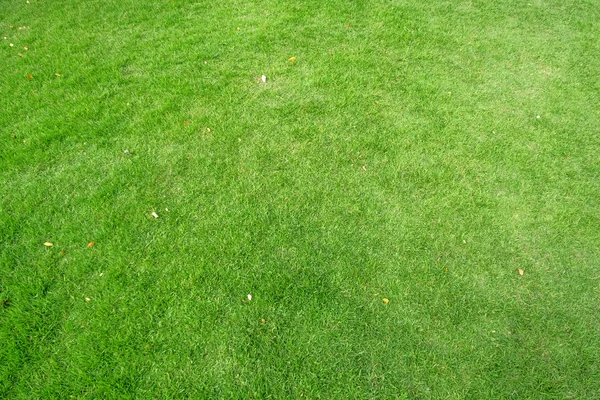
point(385, 300)
point(6, 303)
point(62, 253)
point(521, 272)
point(186, 122)
point(90, 245)
point(48, 244)
point(30, 77)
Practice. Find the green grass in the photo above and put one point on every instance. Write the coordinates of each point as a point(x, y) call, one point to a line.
point(422, 152)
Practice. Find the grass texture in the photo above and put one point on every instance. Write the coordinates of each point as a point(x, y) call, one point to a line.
point(411, 198)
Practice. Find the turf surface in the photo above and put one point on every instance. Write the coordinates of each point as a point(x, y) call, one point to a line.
point(411, 198)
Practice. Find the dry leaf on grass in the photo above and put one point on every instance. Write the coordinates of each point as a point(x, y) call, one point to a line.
point(521, 272)
point(292, 59)
point(90, 245)
point(385, 300)
point(30, 77)
point(48, 244)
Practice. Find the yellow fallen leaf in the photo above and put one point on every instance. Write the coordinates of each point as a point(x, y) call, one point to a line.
point(57, 75)
point(262, 320)
point(48, 244)
point(292, 59)
point(385, 300)
point(30, 77)
point(26, 48)
point(90, 245)
point(521, 272)
point(87, 299)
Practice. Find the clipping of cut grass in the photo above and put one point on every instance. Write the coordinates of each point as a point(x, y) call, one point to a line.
point(284, 199)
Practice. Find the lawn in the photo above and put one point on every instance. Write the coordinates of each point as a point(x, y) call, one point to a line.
point(407, 205)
